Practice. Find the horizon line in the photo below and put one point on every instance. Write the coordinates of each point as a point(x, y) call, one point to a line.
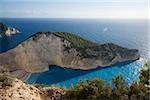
point(69, 18)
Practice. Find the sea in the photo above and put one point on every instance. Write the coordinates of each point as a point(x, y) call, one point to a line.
point(130, 33)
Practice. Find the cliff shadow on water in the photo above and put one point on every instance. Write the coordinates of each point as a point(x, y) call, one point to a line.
point(57, 74)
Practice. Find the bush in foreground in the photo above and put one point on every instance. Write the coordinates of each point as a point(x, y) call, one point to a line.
point(97, 89)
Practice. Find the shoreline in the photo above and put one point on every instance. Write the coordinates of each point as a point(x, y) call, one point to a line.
point(97, 68)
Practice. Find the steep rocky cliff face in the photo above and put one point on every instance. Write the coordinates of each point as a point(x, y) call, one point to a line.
point(65, 50)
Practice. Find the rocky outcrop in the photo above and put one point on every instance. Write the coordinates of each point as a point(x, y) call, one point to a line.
point(46, 48)
point(8, 31)
point(3, 27)
point(14, 89)
point(11, 31)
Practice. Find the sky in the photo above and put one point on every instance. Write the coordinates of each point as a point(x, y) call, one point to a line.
point(74, 8)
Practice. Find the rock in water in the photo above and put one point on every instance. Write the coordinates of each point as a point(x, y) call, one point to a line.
point(3, 27)
point(65, 50)
point(8, 31)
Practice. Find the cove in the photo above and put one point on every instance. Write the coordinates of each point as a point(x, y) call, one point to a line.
point(66, 77)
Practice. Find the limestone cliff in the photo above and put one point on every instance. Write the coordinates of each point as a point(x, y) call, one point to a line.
point(65, 50)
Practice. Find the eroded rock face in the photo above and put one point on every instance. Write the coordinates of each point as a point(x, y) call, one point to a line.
point(44, 49)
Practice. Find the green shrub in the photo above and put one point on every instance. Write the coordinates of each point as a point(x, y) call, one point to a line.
point(145, 74)
point(96, 89)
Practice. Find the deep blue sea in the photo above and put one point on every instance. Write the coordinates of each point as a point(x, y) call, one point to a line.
point(127, 33)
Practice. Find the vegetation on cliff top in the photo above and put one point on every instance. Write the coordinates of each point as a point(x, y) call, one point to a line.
point(80, 44)
point(76, 41)
point(90, 49)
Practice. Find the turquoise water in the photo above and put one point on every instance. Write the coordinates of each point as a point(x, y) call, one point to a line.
point(127, 33)
point(67, 77)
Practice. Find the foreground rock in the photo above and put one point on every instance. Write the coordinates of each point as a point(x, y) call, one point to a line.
point(66, 50)
point(14, 89)
point(8, 31)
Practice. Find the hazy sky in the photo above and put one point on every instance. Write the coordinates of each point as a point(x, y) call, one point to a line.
point(74, 8)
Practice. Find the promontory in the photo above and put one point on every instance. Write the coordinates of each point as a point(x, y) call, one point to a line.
point(65, 50)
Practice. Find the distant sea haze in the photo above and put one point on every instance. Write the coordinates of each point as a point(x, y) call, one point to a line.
point(127, 33)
